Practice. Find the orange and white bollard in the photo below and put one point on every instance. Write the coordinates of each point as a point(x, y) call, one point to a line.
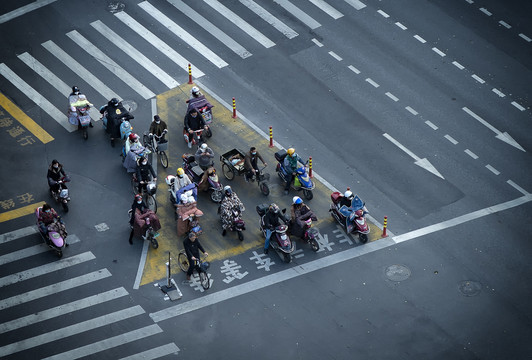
point(384, 227)
point(310, 166)
point(190, 74)
point(234, 108)
point(271, 137)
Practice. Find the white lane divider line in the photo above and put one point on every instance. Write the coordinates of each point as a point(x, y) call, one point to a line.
point(485, 11)
point(315, 41)
point(53, 80)
point(496, 91)
point(470, 153)
point(79, 70)
point(328, 9)
point(451, 139)
point(160, 45)
point(383, 13)
point(410, 110)
point(240, 23)
point(525, 37)
point(478, 78)
point(356, 4)
point(392, 96)
point(298, 13)
point(420, 39)
point(335, 55)
point(373, 83)
point(63, 309)
point(430, 124)
point(36, 97)
point(353, 69)
point(492, 169)
point(182, 34)
point(505, 24)
point(269, 18)
point(517, 187)
point(401, 26)
point(110, 64)
point(438, 51)
point(517, 105)
point(458, 65)
point(54, 288)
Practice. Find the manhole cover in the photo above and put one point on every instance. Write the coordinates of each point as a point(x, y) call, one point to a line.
point(130, 105)
point(397, 272)
point(470, 288)
point(115, 7)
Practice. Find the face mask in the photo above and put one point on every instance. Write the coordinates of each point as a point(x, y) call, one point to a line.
point(157, 122)
point(144, 163)
point(56, 166)
point(254, 153)
point(139, 202)
point(47, 211)
point(180, 176)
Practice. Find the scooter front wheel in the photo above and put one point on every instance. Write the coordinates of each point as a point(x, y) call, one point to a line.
point(287, 258)
point(308, 194)
point(208, 132)
point(314, 245)
point(65, 207)
point(363, 238)
point(216, 196)
point(85, 133)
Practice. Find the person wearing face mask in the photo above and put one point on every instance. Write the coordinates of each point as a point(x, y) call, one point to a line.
point(158, 128)
point(48, 219)
point(204, 156)
point(250, 163)
point(56, 177)
point(140, 215)
point(181, 184)
point(193, 121)
point(144, 173)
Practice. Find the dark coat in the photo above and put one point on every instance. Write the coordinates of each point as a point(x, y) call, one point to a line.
point(193, 123)
point(114, 116)
point(192, 248)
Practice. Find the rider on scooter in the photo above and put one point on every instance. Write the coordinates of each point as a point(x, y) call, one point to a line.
point(181, 181)
point(299, 212)
point(47, 217)
point(347, 199)
point(193, 121)
point(55, 176)
point(290, 166)
point(140, 215)
point(144, 170)
point(115, 112)
point(229, 201)
point(271, 221)
point(75, 99)
point(204, 156)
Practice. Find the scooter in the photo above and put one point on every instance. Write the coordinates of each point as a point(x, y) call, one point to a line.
point(52, 239)
point(279, 240)
point(61, 196)
point(80, 116)
point(197, 137)
point(308, 234)
point(237, 223)
point(195, 173)
point(203, 106)
point(188, 217)
point(302, 180)
point(150, 234)
point(351, 218)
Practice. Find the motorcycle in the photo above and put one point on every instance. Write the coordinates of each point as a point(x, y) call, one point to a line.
point(150, 234)
point(80, 116)
point(301, 181)
point(197, 136)
point(351, 218)
point(188, 216)
point(308, 233)
point(61, 196)
point(237, 223)
point(279, 240)
point(125, 125)
point(203, 107)
point(195, 173)
point(53, 239)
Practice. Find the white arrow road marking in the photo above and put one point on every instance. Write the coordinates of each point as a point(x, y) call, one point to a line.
point(504, 136)
point(424, 163)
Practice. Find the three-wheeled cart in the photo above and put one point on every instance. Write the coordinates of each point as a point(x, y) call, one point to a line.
point(233, 164)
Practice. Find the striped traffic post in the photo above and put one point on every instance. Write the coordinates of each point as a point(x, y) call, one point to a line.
point(310, 166)
point(190, 74)
point(271, 137)
point(234, 108)
point(384, 227)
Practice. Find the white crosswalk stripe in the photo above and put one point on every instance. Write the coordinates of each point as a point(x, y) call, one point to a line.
point(211, 28)
point(111, 65)
point(155, 353)
point(298, 13)
point(332, 12)
point(30, 251)
point(77, 68)
point(182, 34)
point(37, 98)
point(241, 23)
point(136, 55)
point(52, 79)
point(157, 43)
point(270, 19)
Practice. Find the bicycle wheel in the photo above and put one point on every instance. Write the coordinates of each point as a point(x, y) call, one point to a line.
point(146, 141)
point(183, 261)
point(151, 202)
point(134, 185)
point(85, 133)
point(204, 279)
point(228, 172)
point(264, 189)
point(164, 159)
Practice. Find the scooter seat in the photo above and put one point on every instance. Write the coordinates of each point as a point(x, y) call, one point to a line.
point(198, 172)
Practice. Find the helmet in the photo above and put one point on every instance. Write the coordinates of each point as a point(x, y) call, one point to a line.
point(75, 90)
point(203, 146)
point(195, 91)
point(180, 172)
point(291, 151)
point(227, 190)
point(138, 197)
point(170, 180)
point(274, 208)
point(297, 200)
point(151, 188)
point(133, 137)
point(115, 102)
point(348, 194)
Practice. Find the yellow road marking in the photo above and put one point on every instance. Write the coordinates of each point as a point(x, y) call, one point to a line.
point(25, 120)
point(23, 211)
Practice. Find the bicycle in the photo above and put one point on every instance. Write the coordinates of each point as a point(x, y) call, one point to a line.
point(200, 267)
point(151, 141)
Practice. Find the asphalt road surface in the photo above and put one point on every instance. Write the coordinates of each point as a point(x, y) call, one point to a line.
point(422, 108)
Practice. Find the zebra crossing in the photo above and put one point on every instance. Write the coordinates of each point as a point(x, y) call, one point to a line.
point(136, 42)
point(41, 306)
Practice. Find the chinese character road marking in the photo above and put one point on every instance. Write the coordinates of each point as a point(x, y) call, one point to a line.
point(231, 269)
point(323, 240)
point(263, 263)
